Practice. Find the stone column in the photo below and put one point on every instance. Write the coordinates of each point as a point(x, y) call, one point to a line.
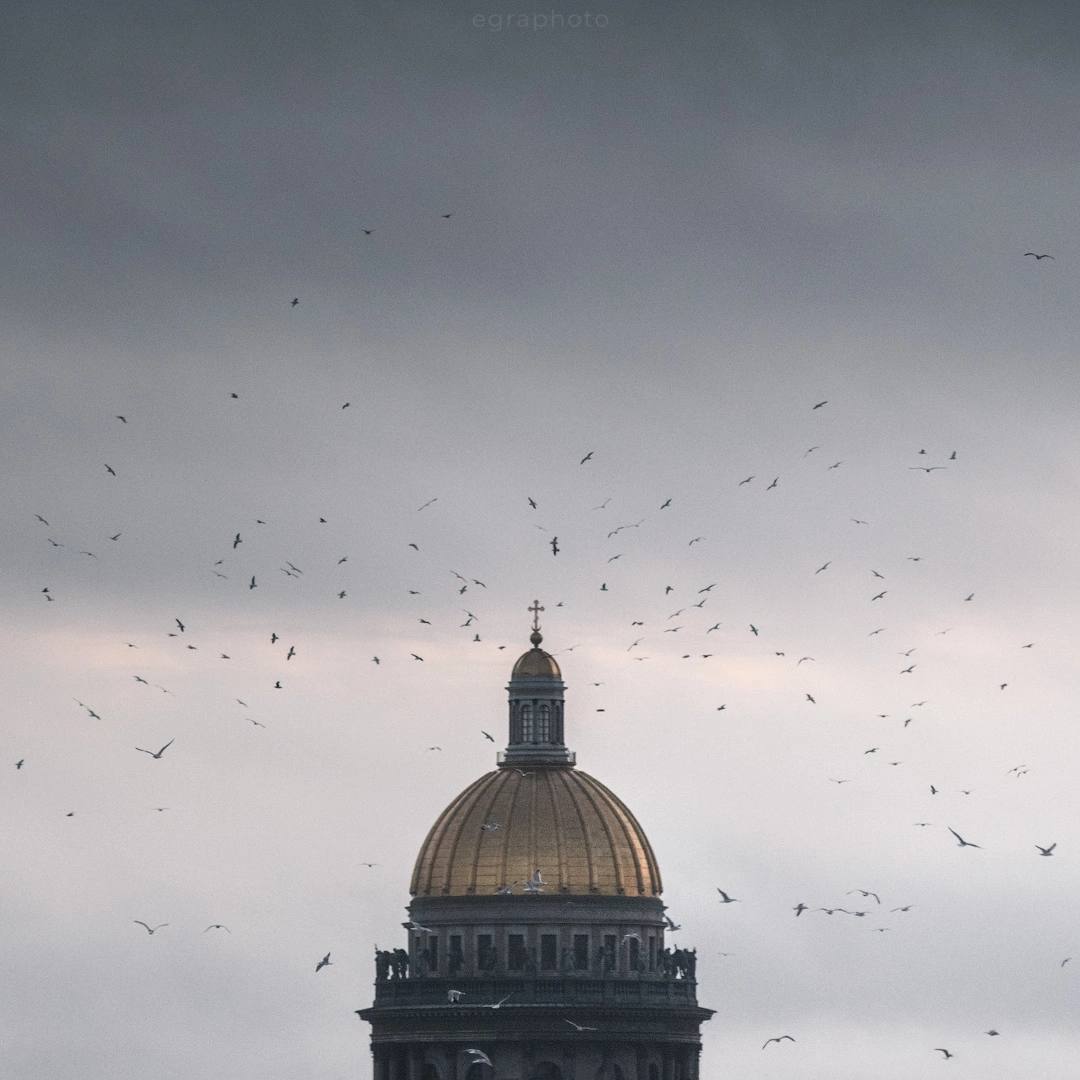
point(451, 1063)
point(668, 1070)
point(416, 1063)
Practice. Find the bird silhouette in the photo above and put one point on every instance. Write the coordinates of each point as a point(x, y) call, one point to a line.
point(1047, 850)
point(779, 1038)
point(725, 899)
point(157, 755)
point(151, 930)
point(1037, 258)
point(324, 962)
point(961, 842)
point(587, 457)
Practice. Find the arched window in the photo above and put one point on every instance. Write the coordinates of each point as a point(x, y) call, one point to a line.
point(543, 728)
point(526, 723)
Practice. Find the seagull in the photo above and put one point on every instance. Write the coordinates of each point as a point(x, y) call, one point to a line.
point(587, 457)
point(799, 908)
point(151, 930)
point(415, 657)
point(819, 405)
point(992, 1032)
point(218, 926)
point(419, 929)
point(970, 596)
point(427, 504)
point(824, 566)
point(942, 1050)
point(779, 1038)
point(1037, 258)
point(454, 996)
point(293, 303)
point(962, 841)
point(880, 596)
point(1047, 850)
point(753, 630)
point(535, 883)
point(19, 764)
point(498, 1004)
point(490, 826)
point(746, 481)
point(157, 756)
point(865, 893)
point(664, 506)
point(909, 670)
point(725, 899)
point(236, 541)
point(324, 962)
point(480, 1058)
point(110, 470)
point(579, 1027)
point(671, 924)
point(490, 738)
point(554, 545)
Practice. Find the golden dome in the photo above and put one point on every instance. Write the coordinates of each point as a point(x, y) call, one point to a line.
point(535, 663)
point(561, 821)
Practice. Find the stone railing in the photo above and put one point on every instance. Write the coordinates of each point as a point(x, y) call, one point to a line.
point(540, 990)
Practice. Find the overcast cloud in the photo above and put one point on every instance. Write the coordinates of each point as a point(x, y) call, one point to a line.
point(671, 236)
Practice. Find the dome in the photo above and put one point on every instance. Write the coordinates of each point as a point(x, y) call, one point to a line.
point(536, 664)
point(580, 835)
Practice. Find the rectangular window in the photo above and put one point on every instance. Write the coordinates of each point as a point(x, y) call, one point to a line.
point(652, 952)
point(455, 958)
point(635, 952)
point(609, 952)
point(515, 952)
point(581, 952)
point(485, 952)
point(549, 955)
point(433, 952)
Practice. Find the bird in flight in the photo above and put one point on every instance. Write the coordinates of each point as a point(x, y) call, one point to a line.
point(961, 841)
point(157, 756)
point(665, 505)
point(926, 468)
point(295, 300)
point(746, 481)
point(498, 1004)
point(110, 470)
point(941, 1050)
point(554, 545)
point(587, 457)
point(776, 480)
point(151, 930)
point(810, 698)
point(579, 1027)
point(779, 1038)
point(218, 926)
point(479, 1058)
point(1037, 258)
point(725, 899)
point(454, 996)
point(427, 504)
point(819, 405)
point(490, 738)
point(823, 566)
point(324, 962)
point(753, 630)
point(880, 596)
point(1047, 850)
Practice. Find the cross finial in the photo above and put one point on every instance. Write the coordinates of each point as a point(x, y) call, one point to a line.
point(536, 609)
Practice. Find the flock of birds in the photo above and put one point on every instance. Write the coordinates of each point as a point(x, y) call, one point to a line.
point(656, 623)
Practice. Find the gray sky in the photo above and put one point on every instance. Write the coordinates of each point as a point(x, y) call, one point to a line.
point(672, 235)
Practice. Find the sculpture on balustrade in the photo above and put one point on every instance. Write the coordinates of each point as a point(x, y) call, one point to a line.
point(566, 961)
point(383, 958)
point(399, 964)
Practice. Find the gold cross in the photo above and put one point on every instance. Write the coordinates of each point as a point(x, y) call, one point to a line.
point(536, 609)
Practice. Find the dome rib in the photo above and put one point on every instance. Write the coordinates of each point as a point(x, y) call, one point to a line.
point(556, 819)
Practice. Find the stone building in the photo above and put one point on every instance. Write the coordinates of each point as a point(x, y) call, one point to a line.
point(536, 932)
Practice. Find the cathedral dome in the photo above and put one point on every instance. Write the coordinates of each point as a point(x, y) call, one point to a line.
point(580, 836)
point(536, 664)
